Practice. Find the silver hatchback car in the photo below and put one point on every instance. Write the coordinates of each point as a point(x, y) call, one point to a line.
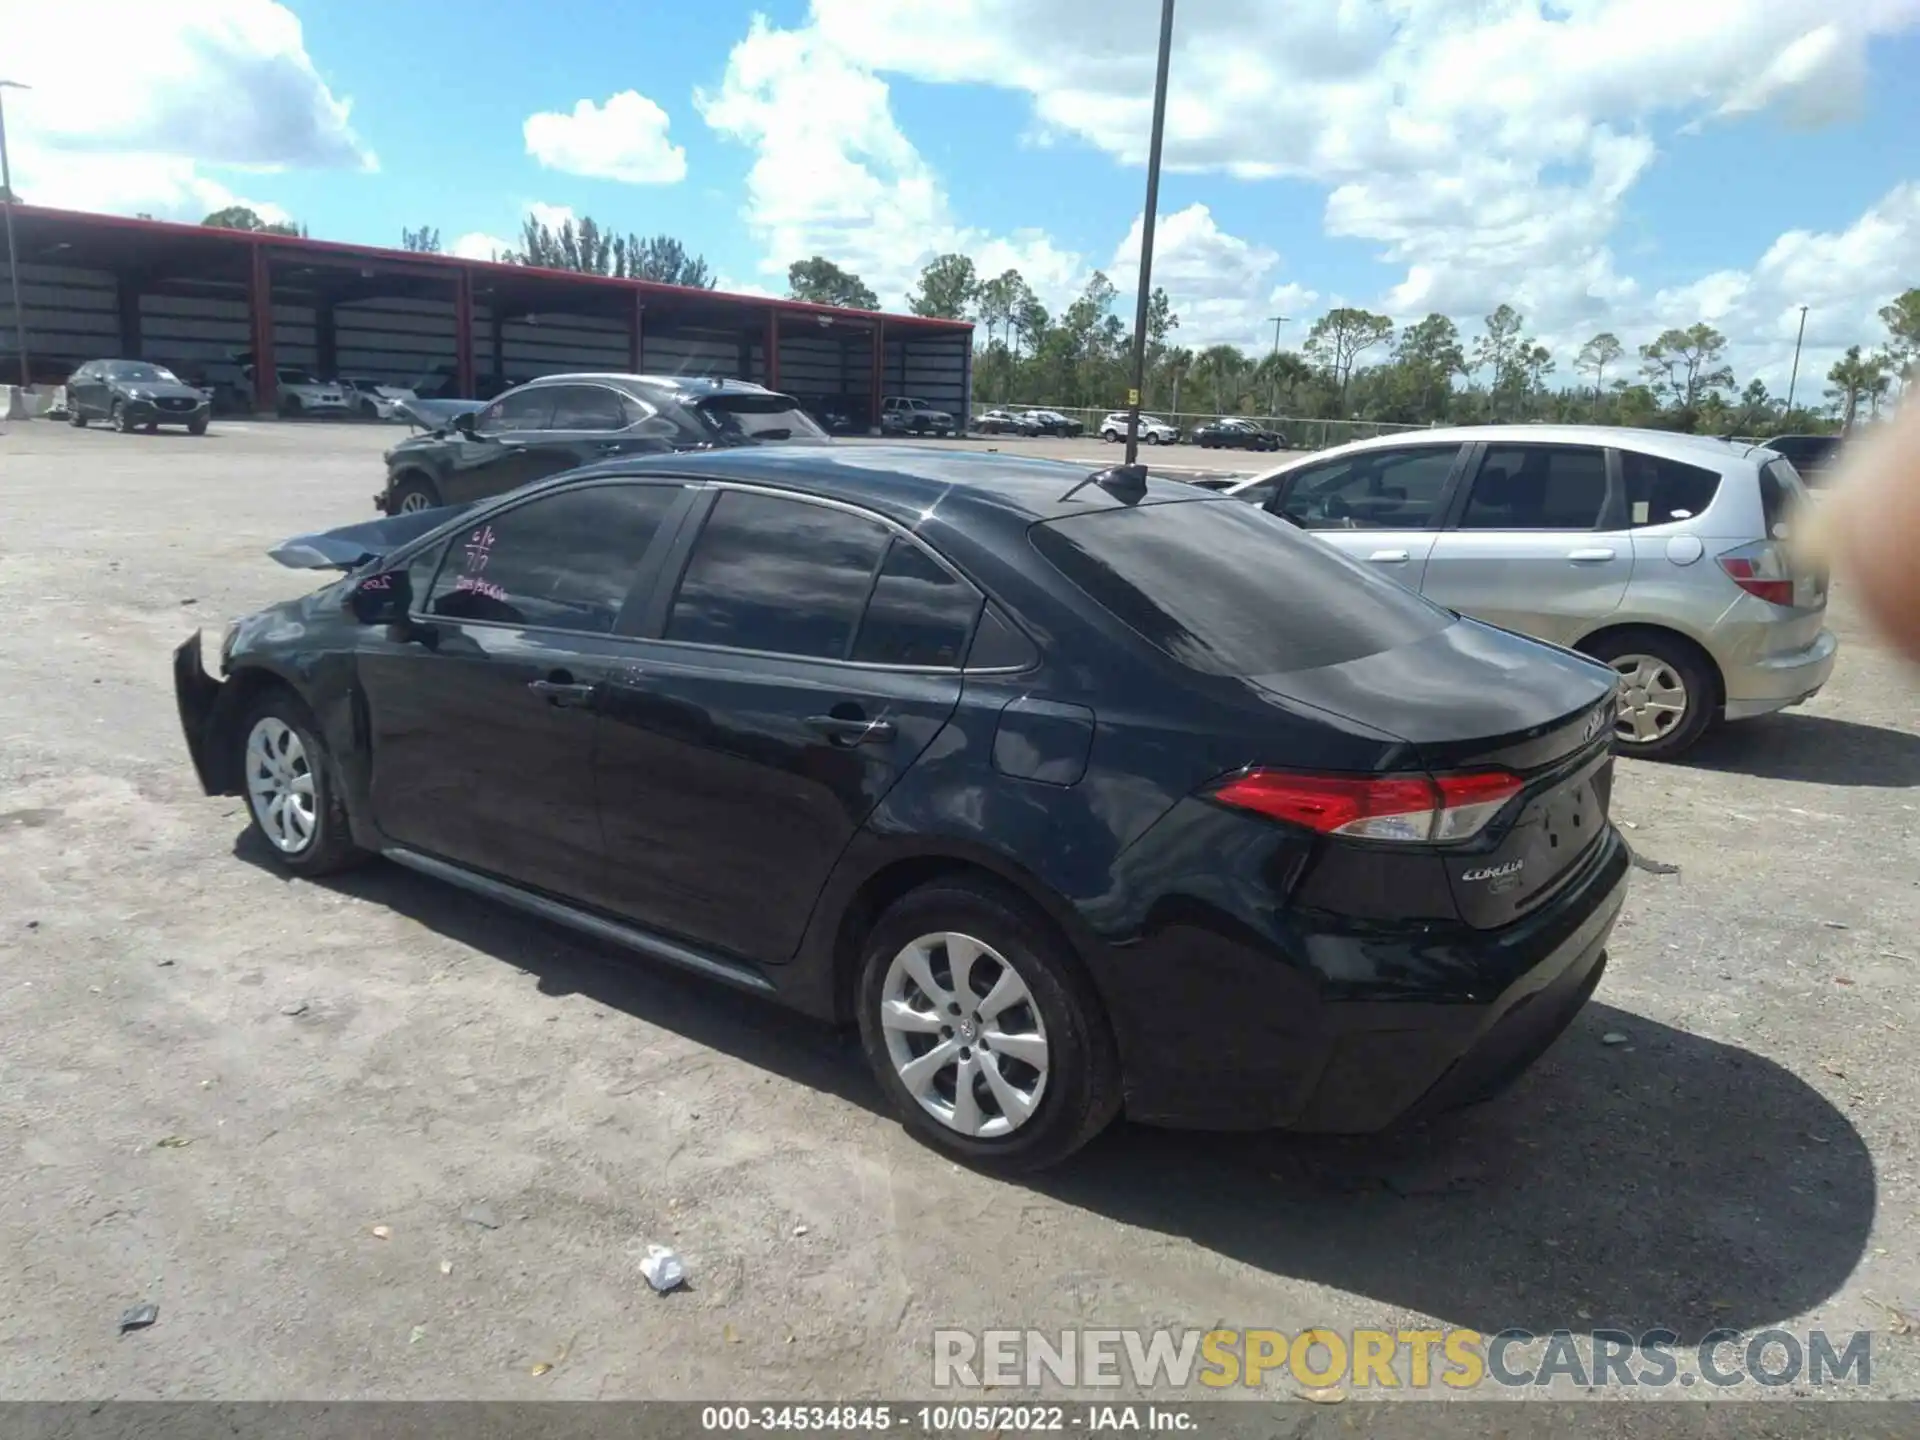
point(1657, 553)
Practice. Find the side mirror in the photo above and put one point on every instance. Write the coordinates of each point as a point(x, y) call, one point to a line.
point(382, 599)
point(464, 423)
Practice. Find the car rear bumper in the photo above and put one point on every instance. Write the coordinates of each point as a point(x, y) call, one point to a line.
point(1760, 687)
point(196, 693)
point(1219, 1033)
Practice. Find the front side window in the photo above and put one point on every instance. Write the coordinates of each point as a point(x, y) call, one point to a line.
point(1660, 491)
point(1227, 589)
point(529, 409)
point(1538, 487)
point(1371, 490)
point(564, 561)
point(778, 575)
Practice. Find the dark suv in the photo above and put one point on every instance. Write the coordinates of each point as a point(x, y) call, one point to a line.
point(561, 422)
point(1077, 793)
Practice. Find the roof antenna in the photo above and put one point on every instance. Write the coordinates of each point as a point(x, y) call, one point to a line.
point(1126, 483)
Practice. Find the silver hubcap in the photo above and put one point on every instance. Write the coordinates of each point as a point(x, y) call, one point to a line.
point(280, 784)
point(1653, 699)
point(964, 1035)
point(414, 501)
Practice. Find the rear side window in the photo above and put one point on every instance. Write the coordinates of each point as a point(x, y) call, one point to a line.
point(1538, 487)
point(563, 561)
point(920, 613)
point(778, 575)
point(1227, 589)
point(1661, 490)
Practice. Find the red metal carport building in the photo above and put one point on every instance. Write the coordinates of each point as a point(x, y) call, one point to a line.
point(203, 301)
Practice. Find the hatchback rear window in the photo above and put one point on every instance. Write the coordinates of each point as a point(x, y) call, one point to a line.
point(1227, 589)
point(1780, 496)
point(758, 417)
point(1660, 491)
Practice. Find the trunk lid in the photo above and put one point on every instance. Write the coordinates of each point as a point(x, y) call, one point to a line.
point(1473, 697)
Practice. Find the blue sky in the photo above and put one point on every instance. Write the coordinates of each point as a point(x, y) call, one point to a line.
point(1602, 164)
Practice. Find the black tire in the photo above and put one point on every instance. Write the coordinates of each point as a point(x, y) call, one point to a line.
point(1694, 670)
point(153, 427)
point(1152, 437)
point(197, 427)
point(117, 418)
point(1082, 1091)
point(411, 484)
point(329, 845)
point(74, 417)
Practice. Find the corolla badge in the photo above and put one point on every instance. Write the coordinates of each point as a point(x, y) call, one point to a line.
point(1496, 872)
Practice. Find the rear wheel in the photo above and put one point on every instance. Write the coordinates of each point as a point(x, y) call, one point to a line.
point(290, 789)
point(411, 494)
point(1667, 694)
point(990, 1044)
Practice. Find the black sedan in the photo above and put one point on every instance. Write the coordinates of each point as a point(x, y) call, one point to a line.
point(1052, 422)
point(560, 422)
point(1077, 793)
point(1230, 433)
point(135, 395)
point(1004, 422)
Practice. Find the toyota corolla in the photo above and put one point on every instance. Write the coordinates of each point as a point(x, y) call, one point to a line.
point(1078, 794)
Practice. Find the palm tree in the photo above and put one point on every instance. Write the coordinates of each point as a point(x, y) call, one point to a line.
point(1853, 378)
point(1222, 366)
point(1174, 367)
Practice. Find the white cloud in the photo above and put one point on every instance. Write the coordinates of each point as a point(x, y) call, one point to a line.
point(1219, 285)
point(1486, 149)
point(478, 245)
point(625, 139)
point(130, 115)
point(551, 216)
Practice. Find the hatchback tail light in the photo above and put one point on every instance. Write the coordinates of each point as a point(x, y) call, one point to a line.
point(1761, 569)
point(1412, 809)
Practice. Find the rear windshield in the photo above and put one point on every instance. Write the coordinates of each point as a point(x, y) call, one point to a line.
point(1227, 589)
point(758, 417)
point(1780, 496)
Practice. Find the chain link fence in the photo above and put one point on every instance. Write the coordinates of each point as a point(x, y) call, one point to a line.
point(1301, 432)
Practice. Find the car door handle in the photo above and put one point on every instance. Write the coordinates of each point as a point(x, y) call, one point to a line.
point(564, 693)
point(607, 447)
point(1390, 557)
point(1597, 552)
point(852, 732)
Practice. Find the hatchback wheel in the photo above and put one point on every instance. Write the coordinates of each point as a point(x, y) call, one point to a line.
point(1666, 694)
point(980, 1028)
point(290, 790)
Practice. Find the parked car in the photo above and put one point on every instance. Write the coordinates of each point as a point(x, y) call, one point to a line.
point(1005, 422)
point(1233, 433)
point(560, 422)
point(1813, 456)
point(836, 417)
point(1658, 553)
point(1153, 430)
point(902, 415)
point(298, 393)
point(134, 394)
point(375, 399)
point(1076, 793)
point(1052, 422)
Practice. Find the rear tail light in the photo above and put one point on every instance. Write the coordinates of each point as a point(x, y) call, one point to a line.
point(1761, 569)
point(1413, 809)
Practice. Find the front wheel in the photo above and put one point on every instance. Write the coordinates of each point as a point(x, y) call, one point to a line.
point(117, 418)
point(412, 494)
point(1667, 694)
point(1151, 438)
point(988, 1041)
point(290, 788)
point(74, 417)
point(197, 427)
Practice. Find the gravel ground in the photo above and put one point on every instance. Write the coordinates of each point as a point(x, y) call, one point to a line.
point(215, 1083)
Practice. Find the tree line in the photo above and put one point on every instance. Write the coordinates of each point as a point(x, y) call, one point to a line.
point(1353, 365)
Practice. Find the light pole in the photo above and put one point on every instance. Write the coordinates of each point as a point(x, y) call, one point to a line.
point(1794, 378)
point(1273, 359)
point(1146, 232)
point(13, 259)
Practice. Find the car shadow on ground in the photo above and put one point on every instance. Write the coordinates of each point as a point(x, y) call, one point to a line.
point(1815, 748)
point(1664, 1180)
